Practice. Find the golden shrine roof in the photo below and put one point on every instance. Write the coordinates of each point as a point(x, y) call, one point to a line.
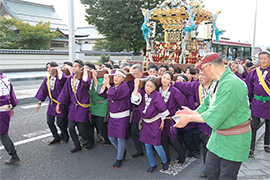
point(174, 15)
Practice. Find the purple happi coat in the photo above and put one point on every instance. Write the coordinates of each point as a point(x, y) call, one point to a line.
point(7, 97)
point(239, 76)
point(259, 109)
point(55, 92)
point(192, 89)
point(150, 106)
point(174, 99)
point(136, 113)
point(76, 112)
point(118, 101)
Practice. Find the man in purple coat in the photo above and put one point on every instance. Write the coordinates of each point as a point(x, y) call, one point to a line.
point(51, 87)
point(137, 71)
point(258, 83)
point(8, 101)
point(199, 90)
point(75, 92)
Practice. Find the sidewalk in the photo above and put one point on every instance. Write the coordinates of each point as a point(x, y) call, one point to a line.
point(19, 76)
point(25, 96)
point(257, 167)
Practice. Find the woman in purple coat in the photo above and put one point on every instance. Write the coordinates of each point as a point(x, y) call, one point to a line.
point(119, 108)
point(8, 101)
point(75, 93)
point(174, 99)
point(51, 87)
point(153, 109)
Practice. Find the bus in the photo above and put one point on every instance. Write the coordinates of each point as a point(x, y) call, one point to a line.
point(232, 50)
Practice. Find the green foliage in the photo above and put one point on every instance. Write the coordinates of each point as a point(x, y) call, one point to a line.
point(103, 58)
point(8, 35)
point(17, 34)
point(268, 49)
point(120, 22)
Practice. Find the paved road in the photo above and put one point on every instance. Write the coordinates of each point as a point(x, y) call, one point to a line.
point(30, 133)
point(39, 161)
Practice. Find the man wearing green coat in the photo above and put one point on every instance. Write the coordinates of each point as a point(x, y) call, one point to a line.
point(227, 112)
point(98, 105)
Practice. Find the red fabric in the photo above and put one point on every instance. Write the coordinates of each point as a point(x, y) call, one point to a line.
point(208, 59)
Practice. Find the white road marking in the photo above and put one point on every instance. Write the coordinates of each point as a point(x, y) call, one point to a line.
point(33, 105)
point(37, 133)
point(175, 168)
point(29, 140)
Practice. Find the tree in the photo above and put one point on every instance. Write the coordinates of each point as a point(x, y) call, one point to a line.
point(120, 22)
point(17, 34)
point(268, 49)
point(8, 36)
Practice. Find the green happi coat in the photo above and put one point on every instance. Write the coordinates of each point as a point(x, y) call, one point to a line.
point(97, 108)
point(227, 108)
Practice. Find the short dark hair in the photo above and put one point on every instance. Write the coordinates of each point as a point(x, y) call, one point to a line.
point(153, 66)
point(153, 80)
point(115, 66)
point(113, 63)
point(91, 65)
point(170, 73)
point(191, 70)
point(164, 66)
point(52, 64)
point(108, 65)
point(68, 63)
point(177, 69)
point(80, 62)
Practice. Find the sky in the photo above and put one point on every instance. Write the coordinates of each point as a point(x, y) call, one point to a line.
point(237, 17)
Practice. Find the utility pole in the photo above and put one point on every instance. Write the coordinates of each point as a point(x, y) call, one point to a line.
point(254, 32)
point(71, 28)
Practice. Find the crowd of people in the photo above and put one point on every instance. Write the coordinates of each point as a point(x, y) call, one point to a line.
point(207, 98)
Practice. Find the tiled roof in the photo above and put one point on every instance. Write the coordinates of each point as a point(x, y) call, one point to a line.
point(33, 13)
point(91, 31)
point(36, 52)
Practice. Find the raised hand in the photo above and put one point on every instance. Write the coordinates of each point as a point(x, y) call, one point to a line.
point(183, 121)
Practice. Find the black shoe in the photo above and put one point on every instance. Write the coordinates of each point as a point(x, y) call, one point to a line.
point(197, 155)
point(75, 150)
point(151, 169)
point(137, 154)
point(168, 161)
point(54, 141)
point(13, 160)
point(117, 164)
point(251, 153)
point(181, 159)
point(88, 147)
point(165, 166)
point(267, 148)
point(65, 139)
point(190, 154)
point(203, 174)
point(124, 156)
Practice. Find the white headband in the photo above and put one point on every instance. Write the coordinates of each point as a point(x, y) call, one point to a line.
point(122, 74)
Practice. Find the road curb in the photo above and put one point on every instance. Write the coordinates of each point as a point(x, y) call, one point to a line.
point(26, 78)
